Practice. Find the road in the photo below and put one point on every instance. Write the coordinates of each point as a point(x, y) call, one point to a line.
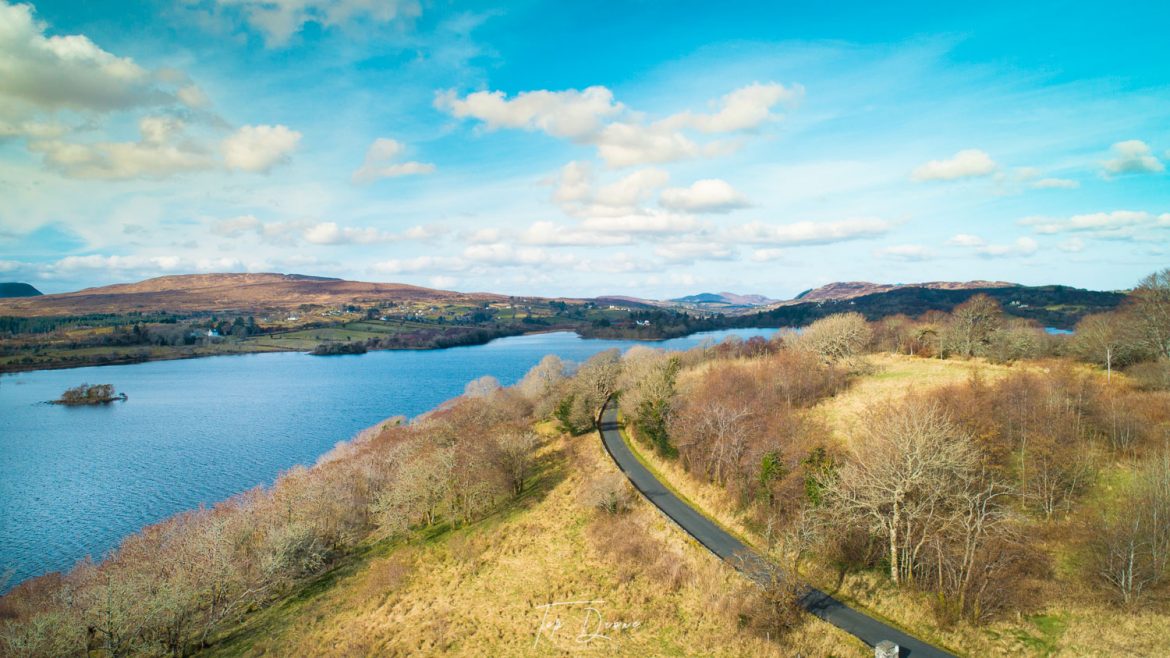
point(866, 628)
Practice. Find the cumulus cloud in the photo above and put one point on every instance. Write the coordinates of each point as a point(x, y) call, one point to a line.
point(1071, 245)
point(420, 264)
point(551, 234)
point(704, 196)
point(1117, 224)
point(689, 252)
point(966, 240)
point(259, 148)
point(809, 233)
point(320, 233)
point(648, 222)
point(622, 137)
point(570, 114)
point(905, 252)
point(278, 20)
point(1024, 246)
point(1133, 157)
point(578, 194)
point(745, 108)
point(65, 72)
point(767, 255)
point(968, 163)
point(380, 162)
point(162, 151)
point(504, 254)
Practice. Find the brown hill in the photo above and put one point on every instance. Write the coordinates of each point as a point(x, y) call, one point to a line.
point(850, 289)
point(228, 292)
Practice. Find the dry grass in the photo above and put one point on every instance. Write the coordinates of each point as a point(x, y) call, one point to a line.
point(477, 591)
point(1072, 622)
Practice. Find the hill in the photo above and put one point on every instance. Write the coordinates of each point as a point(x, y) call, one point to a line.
point(850, 289)
point(250, 293)
point(13, 289)
point(1052, 306)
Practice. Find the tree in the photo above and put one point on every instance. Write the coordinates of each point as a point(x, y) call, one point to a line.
point(906, 463)
point(513, 456)
point(482, 387)
point(972, 324)
point(838, 337)
point(1104, 338)
point(647, 384)
point(1150, 307)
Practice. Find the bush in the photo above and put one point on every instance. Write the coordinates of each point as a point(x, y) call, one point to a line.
point(611, 494)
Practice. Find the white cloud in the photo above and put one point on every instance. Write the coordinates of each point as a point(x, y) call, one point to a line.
point(649, 222)
point(420, 264)
point(767, 255)
point(259, 148)
point(1024, 246)
point(65, 72)
point(570, 114)
point(967, 163)
point(577, 194)
point(631, 144)
point(1133, 157)
point(1102, 223)
point(688, 252)
point(1055, 183)
point(162, 151)
point(905, 252)
point(550, 234)
point(379, 162)
point(966, 240)
point(809, 233)
point(320, 233)
point(279, 20)
point(704, 196)
point(505, 254)
point(1071, 245)
point(443, 282)
point(745, 108)
point(235, 227)
point(622, 137)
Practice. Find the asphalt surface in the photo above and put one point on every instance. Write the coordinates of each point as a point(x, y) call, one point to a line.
point(866, 628)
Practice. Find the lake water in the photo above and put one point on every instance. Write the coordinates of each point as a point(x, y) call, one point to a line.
point(75, 480)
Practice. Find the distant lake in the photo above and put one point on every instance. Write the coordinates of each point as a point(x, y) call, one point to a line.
point(75, 481)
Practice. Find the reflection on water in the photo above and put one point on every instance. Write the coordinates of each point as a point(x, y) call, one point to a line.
point(75, 480)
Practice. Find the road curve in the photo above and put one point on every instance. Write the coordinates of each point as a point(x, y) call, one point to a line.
point(728, 548)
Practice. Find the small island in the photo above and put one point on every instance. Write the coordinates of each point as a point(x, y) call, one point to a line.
point(86, 394)
point(336, 348)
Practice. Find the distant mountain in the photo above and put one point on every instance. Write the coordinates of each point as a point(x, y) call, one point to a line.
point(18, 290)
point(727, 298)
point(229, 292)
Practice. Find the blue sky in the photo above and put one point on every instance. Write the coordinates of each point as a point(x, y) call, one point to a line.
point(643, 148)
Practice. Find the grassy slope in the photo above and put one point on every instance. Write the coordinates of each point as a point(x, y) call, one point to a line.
point(474, 590)
point(1072, 623)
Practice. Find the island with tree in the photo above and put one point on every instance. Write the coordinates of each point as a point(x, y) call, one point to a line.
point(85, 394)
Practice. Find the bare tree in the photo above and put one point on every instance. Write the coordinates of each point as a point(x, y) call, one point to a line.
point(839, 337)
point(482, 387)
point(1150, 307)
point(972, 324)
point(514, 457)
point(1103, 338)
point(905, 467)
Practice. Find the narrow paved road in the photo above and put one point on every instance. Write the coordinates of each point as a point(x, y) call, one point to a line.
point(730, 549)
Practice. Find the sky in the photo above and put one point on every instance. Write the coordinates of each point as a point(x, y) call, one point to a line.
point(653, 149)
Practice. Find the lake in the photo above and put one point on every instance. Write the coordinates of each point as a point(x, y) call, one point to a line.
point(76, 480)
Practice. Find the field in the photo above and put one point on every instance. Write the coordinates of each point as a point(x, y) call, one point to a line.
point(1071, 620)
point(477, 590)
